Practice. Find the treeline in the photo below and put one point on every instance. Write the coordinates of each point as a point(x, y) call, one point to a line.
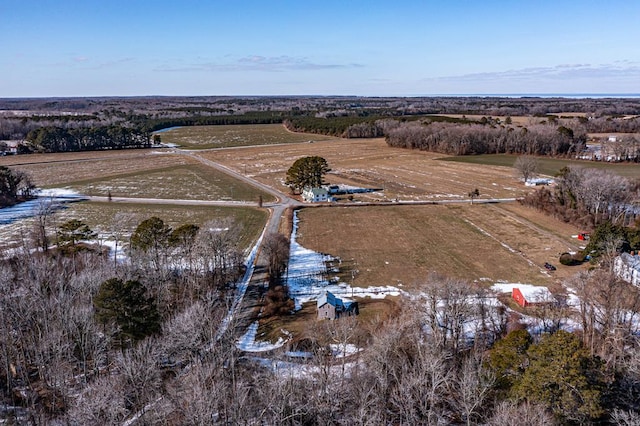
point(358, 126)
point(15, 186)
point(589, 197)
point(456, 139)
point(58, 139)
point(80, 351)
point(335, 126)
point(257, 117)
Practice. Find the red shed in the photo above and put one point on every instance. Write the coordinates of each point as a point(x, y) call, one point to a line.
point(531, 295)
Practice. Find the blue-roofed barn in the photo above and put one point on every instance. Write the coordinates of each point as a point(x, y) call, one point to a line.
point(332, 307)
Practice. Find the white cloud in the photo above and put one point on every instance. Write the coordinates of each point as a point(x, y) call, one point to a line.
point(262, 63)
point(566, 72)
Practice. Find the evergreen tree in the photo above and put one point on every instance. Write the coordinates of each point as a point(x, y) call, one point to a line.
point(72, 232)
point(126, 305)
point(563, 376)
point(307, 172)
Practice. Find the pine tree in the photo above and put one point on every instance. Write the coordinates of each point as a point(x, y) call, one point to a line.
point(126, 305)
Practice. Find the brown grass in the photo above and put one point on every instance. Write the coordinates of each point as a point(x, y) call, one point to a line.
point(203, 137)
point(401, 245)
point(404, 174)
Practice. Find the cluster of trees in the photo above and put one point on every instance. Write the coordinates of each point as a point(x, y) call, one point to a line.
point(78, 329)
point(307, 172)
point(15, 186)
point(58, 139)
point(455, 139)
point(588, 197)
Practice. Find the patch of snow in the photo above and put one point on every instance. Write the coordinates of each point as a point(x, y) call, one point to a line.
point(116, 253)
point(307, 276)
point(530, 292)
point(52, 198)
point(248, 341)
point(341, 351)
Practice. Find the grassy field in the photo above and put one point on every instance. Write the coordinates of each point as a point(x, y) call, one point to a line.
point(105, 217)
point(187, 182)
point(135, 173)
point(548, 166)
point(401, 245)
point(100, 216)
point(404, 174)
point(204, 137)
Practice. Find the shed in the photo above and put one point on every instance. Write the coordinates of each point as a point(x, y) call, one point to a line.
point(527, 296)
point(332, 307)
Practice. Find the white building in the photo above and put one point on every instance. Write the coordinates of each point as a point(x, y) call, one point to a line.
point(315, 195)
point(627, 267)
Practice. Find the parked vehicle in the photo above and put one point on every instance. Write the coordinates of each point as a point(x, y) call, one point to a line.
point(549, 266)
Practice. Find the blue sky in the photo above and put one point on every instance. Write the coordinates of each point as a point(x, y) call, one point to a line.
point(310, 47)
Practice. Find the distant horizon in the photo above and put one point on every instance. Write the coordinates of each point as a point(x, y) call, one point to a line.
point(440, 95)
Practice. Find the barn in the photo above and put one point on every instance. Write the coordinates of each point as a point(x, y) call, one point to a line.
point(332, 307)
point(530, 295)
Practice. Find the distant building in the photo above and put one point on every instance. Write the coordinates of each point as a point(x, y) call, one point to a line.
point(10, 147)
point(627, 267)
point(539, 181)
point(332, 307)
point(527, 296)
point(315, 195)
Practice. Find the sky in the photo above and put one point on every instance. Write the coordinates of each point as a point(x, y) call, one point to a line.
point(310, 47)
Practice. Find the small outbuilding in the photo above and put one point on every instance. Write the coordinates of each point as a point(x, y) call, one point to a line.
point(527, 296)
point(332, 307)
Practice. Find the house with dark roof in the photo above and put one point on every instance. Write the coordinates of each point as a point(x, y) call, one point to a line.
point(332, 307)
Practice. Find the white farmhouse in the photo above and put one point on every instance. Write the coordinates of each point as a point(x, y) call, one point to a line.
point(315, 195)
point(627, 267)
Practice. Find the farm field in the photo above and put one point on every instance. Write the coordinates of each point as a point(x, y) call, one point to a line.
point(548, 166)
point(407, 175)
point(105, 218)
point(522, 120)
point(205, 137)
point(134, 173)
point(401, 245)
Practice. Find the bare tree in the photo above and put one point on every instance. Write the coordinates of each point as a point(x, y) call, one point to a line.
point(276, 248)
point(527, 167)
point(509, 413)
point(608, 309)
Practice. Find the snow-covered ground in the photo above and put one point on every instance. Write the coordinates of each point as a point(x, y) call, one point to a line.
point(308, 277)
point(248, 341)
point(55, 197)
